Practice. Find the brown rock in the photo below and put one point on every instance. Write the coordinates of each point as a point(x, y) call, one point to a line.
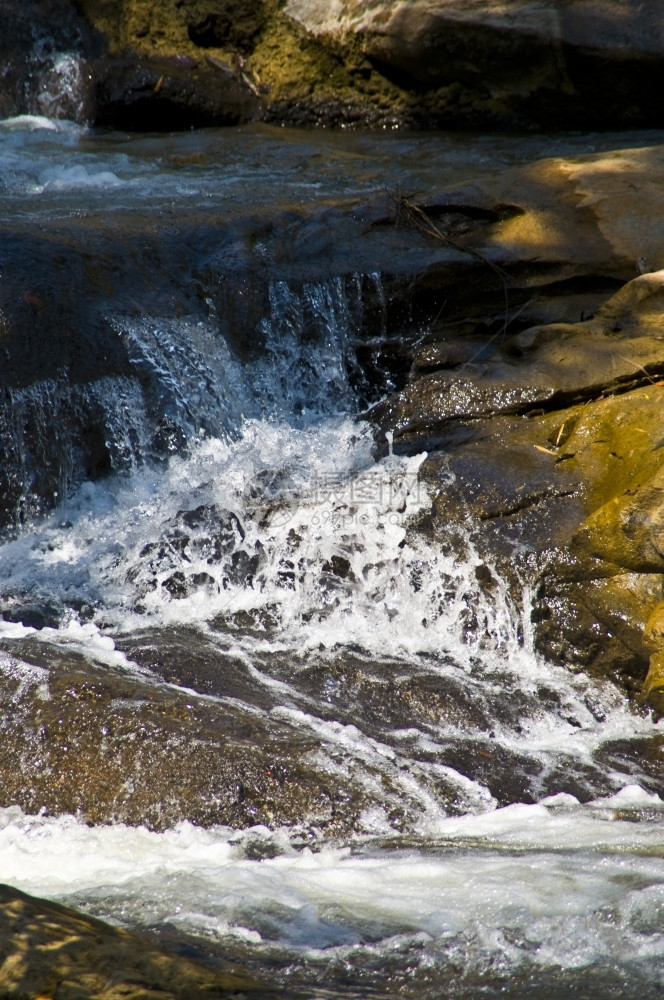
point(653, 686)
point(83, 738)
point(47, 950)
point(544, 63)
point(543, 367)
point(223, 23)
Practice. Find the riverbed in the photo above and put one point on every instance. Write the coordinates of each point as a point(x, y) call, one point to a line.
point(485, 824)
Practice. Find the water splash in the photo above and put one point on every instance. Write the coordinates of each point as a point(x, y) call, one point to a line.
point(272, 532)
point(535, 891)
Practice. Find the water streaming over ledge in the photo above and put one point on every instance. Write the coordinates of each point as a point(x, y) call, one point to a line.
point(498, 850)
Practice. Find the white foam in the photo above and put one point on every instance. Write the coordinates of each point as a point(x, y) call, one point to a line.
point(32, 123)
point(579, 862)
point(76, 178)
point(334, 504)
point(305, 497)
point(15, 630)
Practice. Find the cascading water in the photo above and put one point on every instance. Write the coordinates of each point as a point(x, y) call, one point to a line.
point(486, 845)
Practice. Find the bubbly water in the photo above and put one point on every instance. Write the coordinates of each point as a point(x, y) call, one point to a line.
point(508, 895)
point(277, 513)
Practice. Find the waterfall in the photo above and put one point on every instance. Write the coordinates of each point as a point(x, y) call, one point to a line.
point(257, 699)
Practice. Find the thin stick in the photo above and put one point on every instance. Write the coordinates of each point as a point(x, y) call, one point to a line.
point(415, 216)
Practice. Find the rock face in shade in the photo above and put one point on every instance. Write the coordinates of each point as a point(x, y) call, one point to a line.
point(519, 63)
point(50, 950)
point(170, 93)
point(515, 58)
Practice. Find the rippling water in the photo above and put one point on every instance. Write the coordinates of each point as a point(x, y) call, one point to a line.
point(276, 536)
point(56, 166)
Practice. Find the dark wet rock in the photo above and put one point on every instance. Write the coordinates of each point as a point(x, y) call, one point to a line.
point(184, 656)
point(166, 94)
point(113, 745)
point(541, 369)
point(642, 758)
point(106, 745)
point(414, 711)
point(34, 614)
point(507, 774)
point(44, 48)
point(222, 23)
point(571, 776)
point(206, 532)
point(500, 472)
point(259, 623)
point(571, 630)
point(388, 697)
point(46, 946)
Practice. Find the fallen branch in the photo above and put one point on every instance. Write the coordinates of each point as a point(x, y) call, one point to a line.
point(412, 215)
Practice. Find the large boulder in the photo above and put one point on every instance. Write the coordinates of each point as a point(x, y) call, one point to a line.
point(546, 426)
point(551, 61)
point(70, 741)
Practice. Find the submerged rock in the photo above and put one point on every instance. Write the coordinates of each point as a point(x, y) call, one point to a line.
point(48, 949)
point(317, 742)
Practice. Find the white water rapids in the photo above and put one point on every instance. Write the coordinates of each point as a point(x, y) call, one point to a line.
point(546, 898)
point(554, 885)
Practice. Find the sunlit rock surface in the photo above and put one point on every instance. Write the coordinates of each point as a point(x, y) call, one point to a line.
point(48, 950)
point(583, 399)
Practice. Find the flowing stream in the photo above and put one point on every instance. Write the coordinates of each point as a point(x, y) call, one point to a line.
point(504, 839)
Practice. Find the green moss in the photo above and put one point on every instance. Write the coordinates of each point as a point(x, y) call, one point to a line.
point(295, 72)
point(142, 26)
point(294, 69)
